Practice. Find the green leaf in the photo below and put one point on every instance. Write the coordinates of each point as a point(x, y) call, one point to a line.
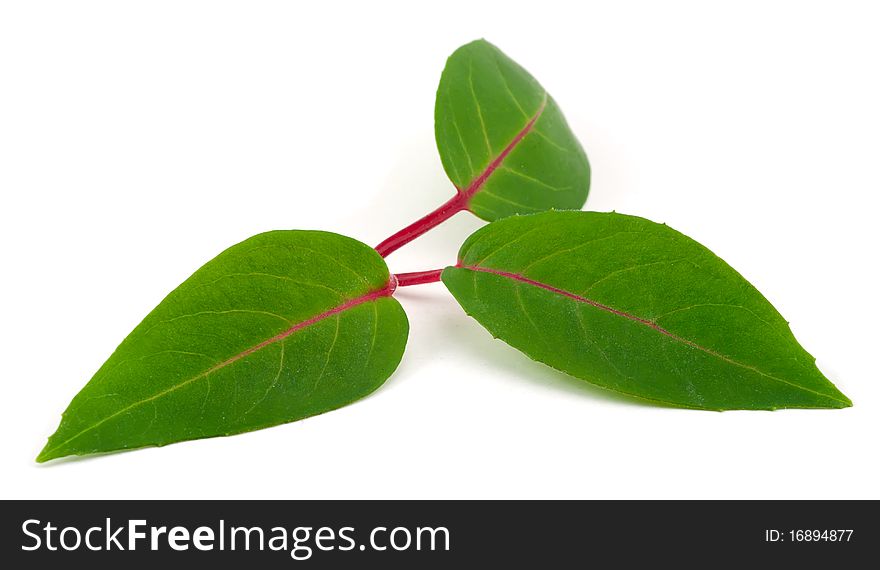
point(503, 140)
point(636, 307)
point(283, 326)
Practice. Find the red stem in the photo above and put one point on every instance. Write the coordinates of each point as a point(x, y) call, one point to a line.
point(456, 204)
point(460, 201)
point(418, 277)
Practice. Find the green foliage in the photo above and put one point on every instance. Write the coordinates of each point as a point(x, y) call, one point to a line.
point(282, 326)
point(484, 111)
point(290, 324)
point(635, 307)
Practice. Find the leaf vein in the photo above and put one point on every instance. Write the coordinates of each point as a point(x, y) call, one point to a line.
point(279, 337)
point(534, 180)
point(479, 109)
point(520, 278)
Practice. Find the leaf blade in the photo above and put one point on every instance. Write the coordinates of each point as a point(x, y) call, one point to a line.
point(502, 139)
point(616, 304)
point(242, 344)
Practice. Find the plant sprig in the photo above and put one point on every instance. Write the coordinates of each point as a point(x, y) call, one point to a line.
point(289, 324)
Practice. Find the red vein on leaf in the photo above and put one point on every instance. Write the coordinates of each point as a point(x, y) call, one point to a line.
point(462, 198)
point(647, 323)
point(386, 291)
point(372, 296)
point(478, 182)
point(598, 305)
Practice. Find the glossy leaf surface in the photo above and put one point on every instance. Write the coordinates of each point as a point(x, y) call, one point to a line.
point(503, 140)
point(282, 326)
point(636, 307)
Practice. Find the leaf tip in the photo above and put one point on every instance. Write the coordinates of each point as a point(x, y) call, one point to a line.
point(50, 451)
point(845, 402)
point(835, 401)
point(481, 44)
point(45, 455)
point(838, 399)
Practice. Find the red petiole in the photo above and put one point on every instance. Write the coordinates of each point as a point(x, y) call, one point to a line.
point(418, 277)
point(458, 202)
point(453, 206)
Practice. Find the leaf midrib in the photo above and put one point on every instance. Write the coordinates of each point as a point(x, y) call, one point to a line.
point(629, 316)
point(477, 183)
point(386, 291)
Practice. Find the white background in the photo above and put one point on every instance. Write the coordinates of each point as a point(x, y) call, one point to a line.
point(138, 140)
